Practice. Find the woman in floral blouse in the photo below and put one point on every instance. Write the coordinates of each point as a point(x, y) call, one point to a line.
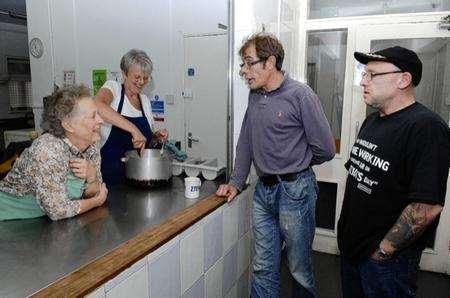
point(59, 175)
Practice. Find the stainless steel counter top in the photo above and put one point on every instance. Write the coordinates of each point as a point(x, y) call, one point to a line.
point(36, 252)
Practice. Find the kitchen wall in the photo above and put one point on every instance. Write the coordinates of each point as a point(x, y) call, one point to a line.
point(13, 42)
point(88, 34)
point(84, 38)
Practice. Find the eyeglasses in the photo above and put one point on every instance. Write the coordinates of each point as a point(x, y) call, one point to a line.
point(249, 64)
point(368, 75)
point(138, 79)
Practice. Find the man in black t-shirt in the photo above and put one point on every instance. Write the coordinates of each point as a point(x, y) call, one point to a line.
point(396, 184)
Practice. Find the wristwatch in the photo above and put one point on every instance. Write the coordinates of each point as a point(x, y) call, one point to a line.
point(383, 255)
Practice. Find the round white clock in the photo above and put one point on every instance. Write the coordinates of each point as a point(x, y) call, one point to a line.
point(36, 47)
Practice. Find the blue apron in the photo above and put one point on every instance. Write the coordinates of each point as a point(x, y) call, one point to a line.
point(119, 142)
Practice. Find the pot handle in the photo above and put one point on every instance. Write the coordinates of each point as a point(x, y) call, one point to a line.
point(124, 159)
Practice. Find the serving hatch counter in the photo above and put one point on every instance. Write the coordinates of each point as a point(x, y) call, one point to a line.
point(75, 256)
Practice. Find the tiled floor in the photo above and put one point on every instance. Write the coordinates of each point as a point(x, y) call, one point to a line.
point(326, 270)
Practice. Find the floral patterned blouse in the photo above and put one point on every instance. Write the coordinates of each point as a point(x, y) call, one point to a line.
point(42, 170)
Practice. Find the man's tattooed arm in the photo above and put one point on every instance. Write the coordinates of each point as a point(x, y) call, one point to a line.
point(410, 226)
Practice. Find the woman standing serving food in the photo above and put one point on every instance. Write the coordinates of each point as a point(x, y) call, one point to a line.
point(128, 114)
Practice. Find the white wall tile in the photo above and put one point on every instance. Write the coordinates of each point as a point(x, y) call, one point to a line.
point(230, 225)
point(244, 252)
point(197, 290)
point(229, 270)
point(243, 285)
point(212, 215)
point(240, 89)
point(155, 254)
point(213, 280)
point(240, 100)
point(191, 228)
point(232, 293)
point(164, 274)
point(244, 16)
point(135, 286)
point(98, 293)
point(191, 258)
point(125, 274)
point(244, 214)
point(212, 239)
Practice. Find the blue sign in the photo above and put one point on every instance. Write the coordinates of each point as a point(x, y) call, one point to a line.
point(191, 72)
point(157, 106)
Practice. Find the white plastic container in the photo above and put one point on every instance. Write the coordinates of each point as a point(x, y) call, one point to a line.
point(209, 168)
point(192, 187)
point(177, 168)
point(212, 169)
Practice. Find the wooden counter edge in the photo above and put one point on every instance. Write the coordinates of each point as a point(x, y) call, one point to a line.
point(89, 277)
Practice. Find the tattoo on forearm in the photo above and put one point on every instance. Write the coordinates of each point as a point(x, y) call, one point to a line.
point(410, 225)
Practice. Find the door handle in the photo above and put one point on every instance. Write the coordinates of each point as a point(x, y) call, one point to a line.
point(191, 139)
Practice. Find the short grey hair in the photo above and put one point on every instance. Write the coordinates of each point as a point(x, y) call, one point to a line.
point(136, 57)
point(60, 105)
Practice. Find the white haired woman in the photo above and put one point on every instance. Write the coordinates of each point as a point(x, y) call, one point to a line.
point(59, 175)
point(128, 115)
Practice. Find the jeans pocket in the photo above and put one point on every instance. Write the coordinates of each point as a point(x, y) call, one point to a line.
point(295, 190)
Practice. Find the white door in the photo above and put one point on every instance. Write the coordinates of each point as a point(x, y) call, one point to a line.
point(205, 94)
point(328, 70)
point(433, 47)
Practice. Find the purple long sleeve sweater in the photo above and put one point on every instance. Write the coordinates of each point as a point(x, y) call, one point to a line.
point(283, 131)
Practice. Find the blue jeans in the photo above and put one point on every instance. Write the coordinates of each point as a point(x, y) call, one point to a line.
point(372, 279)
point(284, 212)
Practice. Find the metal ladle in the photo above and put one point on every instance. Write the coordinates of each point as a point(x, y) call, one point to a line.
point(162, 147)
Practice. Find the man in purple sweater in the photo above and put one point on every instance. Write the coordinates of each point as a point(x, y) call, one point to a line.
point(284, 133)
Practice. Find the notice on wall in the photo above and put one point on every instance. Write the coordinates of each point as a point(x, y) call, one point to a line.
point(68, 78)
point(98, 79)
point(157, 104)
point(115, 76)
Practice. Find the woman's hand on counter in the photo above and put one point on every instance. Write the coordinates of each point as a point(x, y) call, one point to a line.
point(228, 191)
point(83, 169)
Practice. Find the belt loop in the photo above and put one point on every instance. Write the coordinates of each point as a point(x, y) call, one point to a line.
point(278, 178)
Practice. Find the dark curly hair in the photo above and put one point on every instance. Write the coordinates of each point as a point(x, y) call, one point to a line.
point(266, 45)
point(60, 105)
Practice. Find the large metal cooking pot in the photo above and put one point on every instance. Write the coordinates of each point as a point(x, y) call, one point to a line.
point(150, 169)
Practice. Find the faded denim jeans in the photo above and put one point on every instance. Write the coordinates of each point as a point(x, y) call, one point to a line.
point(381, 279)
point(284, 212)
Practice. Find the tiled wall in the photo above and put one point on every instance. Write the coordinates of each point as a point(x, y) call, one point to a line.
point(210, 259)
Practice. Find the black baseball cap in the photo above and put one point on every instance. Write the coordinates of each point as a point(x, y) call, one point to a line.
point(403, 58)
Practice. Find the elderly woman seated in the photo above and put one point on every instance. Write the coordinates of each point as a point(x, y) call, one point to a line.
point(59, 175)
